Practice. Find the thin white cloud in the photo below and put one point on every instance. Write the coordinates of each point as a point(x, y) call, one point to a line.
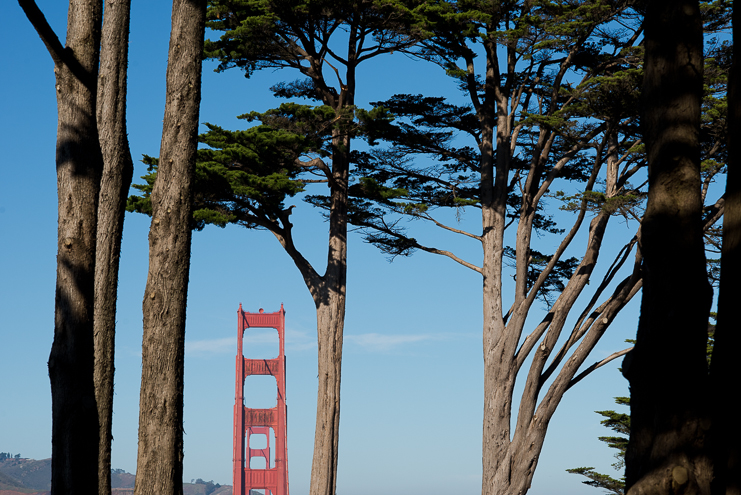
point(263, 340)
point(298, 341)
point(376, 342)
point(210, 346)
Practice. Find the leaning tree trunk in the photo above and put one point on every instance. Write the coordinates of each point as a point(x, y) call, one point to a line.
point(330, 303)
point(79, 165)
point(160, 457)
point(725, 368)
point(667, 369)
point(117, 173)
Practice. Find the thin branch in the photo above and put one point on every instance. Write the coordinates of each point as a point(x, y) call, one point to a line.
point(342, 85)
point(574, 229)
point(583, 143)
point(472, 88)
point(449, 255)
point(389, 231)
point(714, 213)
point(582, 326)
point(596, 365)
point(285, 237)
point(451, 229)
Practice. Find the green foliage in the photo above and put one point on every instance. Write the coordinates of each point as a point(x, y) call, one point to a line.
point(599, 480)
point(711, 337)
point(619, 423)
point(427, 153)
point(210, 485)
point(261, 34)
point(245, 176)
point(628, 204)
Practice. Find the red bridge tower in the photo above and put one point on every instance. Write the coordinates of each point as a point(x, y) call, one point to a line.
point(249, 422)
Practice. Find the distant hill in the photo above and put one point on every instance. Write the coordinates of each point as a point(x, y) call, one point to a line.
point(25, 475)
point(11, 486)
point(31, 477)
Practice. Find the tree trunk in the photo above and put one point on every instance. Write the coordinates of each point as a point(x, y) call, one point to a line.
point(79, 165)
point(117, 173)
point(497, 347)
point(667, 369)
point(330, 303)
point(160, 456)
point(725, 370)
point(326, 437)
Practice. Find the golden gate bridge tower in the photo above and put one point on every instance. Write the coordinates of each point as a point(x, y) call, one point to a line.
point(249, 422)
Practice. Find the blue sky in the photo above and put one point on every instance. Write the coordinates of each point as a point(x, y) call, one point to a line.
point(412, 386)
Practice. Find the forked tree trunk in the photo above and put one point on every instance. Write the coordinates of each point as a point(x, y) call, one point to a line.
point(160, 457)
point(79, 165)
point(497, 359)
point(91, 218)
point(725, 367)
point(667, 369)
point(117, 173)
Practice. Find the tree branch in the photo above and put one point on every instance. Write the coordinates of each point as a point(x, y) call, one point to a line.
point(451, 229)
point(596, 365)
point(45, 31)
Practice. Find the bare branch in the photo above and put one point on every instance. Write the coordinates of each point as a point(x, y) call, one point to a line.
point(583, 143)
point(584, 323)
point(596, 365)
point(449, 255)
point(451, 229)
point(316, 163)
point(416, 245)
point(621, 296)
point(45, 31)
point(285, 237)
point(473, 92)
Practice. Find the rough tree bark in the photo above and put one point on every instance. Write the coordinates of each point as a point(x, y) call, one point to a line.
point(303, 44)
point(160, 457)
point(509, 457)
point(94, 172)
point(79, 164)
point(520, 157)
point(329, 294)
point(725, 369)
point(117, 173)
point(330, 304)
point(667, 369)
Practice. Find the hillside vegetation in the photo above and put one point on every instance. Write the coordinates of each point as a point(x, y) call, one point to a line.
point(20, 476)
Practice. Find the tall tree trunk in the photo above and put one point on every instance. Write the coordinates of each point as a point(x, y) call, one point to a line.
point(160, 457)
point(117, 173)
point(79, 165)
point(725, 369)
point(667, 369)
point(330, 303)
point(497, 347)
